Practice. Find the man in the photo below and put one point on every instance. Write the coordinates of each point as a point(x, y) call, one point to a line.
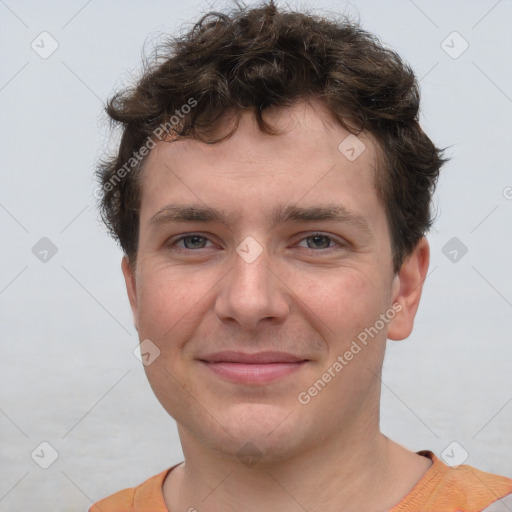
point(271, 194)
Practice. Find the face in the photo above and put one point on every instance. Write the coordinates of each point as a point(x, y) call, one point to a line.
point(268, 267)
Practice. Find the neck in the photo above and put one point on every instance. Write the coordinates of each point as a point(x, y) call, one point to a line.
point(360, 470)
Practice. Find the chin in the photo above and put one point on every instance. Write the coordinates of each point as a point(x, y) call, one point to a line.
point(240, 429)
point(264, 431)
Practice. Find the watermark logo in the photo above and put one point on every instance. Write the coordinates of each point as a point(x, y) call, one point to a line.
point(361, 341)
point(249, 454)
point(249, 250)
point(147, 352)
point(161, 133)
point(44, 250)
point(454, 45)
point(44, 455)
point(44, 45)
point(351, 147)
point(454, 454)
point(454, 249)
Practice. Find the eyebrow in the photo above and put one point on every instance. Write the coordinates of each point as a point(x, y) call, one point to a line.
point(280, 214)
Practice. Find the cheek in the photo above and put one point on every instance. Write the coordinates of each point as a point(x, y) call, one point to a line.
point(171, 306)
point(170, 302)
point(346, 302)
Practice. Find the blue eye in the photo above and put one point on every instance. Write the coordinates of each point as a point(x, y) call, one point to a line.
point(193, 241)
point(319, 238)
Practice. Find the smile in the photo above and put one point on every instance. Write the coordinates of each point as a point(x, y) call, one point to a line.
point(257, 368)
point(252, 373)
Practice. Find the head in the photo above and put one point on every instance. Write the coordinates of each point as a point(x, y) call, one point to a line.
point(260, 125)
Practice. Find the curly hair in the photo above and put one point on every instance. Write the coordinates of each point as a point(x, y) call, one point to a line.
point(263, 56)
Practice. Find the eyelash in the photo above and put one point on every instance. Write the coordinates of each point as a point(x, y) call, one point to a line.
point(173, 243)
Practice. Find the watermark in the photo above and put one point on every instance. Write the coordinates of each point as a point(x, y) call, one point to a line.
point(351, 147)
point(304, 397)
point(44, 250)
point(454, 249)
point(44, 455)
point(44, 45)
point(454, 454)
point(249, 250)
point(454, 45)
point(249, 454)
point(160, 132)
point(146, 352)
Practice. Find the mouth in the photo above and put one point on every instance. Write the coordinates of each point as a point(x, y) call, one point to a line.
point(258, 368)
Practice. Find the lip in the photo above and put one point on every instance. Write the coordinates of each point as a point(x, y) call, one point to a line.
point(258, 368)
point(231, 356)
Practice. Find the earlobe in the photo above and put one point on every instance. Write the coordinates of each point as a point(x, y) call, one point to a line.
point(406, 290)
point(129, 278)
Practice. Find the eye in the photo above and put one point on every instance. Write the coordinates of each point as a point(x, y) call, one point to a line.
point(320, 241)
point(195, 241)
point(191, 241)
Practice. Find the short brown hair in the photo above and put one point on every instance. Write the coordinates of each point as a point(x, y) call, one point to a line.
point(259, 57)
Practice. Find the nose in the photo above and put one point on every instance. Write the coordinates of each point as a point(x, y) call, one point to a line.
point(252, 291)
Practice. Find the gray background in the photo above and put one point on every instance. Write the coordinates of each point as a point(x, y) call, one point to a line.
point(68, 374)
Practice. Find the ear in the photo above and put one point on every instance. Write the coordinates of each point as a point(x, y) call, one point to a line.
point(406, 290)
point(129, 278)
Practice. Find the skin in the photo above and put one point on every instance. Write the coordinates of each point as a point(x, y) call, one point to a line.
point(302, 295)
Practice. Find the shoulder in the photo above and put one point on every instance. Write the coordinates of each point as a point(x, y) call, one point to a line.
point(462, 488)
point(476, 488)
point(148, 493)
point(121, 501)
point(467, 478)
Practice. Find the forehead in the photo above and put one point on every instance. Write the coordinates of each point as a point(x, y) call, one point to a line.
point(313, 159)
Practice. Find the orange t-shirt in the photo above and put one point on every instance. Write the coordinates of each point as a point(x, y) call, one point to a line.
point(441, 489)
